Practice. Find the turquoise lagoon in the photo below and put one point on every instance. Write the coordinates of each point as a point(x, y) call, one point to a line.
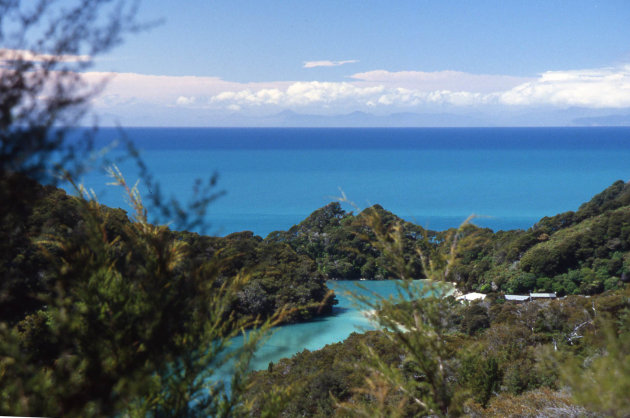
point(348, 316)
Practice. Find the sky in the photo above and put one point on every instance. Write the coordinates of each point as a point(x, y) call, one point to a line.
point(365, 63)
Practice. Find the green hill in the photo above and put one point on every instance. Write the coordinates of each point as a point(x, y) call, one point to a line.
point(586, 251)
point(279, 277)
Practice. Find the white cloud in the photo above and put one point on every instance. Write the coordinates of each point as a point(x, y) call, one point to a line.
point(441, 80)
point(185, 101)
point(326, 63)
point(380, 90)
point(12, 55)
point(302, 94)
point(594, 88)
point(167, 90)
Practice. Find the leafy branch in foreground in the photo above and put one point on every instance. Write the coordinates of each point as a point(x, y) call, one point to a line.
point(126, 327)
point(418, 322)
point(44, 90)
point(601, 382)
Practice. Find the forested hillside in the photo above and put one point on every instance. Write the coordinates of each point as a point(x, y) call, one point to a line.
point(279, 278)
point(582, 252)
point(101, 313)
point(344, 245)
point(491, 358)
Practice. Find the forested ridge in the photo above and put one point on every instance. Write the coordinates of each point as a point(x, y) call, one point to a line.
point(103, 312)
point(344, 245)
point(441, 357)
point(582, 252)
point(279, 278)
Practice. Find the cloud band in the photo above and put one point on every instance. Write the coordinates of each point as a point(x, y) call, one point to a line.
point(326, 63)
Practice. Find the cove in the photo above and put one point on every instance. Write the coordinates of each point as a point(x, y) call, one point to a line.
point(347, 317)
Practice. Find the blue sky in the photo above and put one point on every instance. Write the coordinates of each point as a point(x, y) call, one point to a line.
point(242, 62)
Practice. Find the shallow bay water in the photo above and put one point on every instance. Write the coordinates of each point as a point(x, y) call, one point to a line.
point(348, 316)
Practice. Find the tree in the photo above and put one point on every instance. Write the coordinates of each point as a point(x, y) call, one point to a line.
point(46, 46)
point(124, 329)
point(118, 325)
point(601, 382)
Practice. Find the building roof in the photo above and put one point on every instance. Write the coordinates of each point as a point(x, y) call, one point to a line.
point(472, 296)
point(517, 298)
point(542, 295)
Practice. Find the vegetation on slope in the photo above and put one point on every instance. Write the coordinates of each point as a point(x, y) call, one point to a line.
point(343, 245)
point(279, 278)
point(437, 357)
point(583, 252)
point(497, 356)
point(102, 315)
point(70, 266)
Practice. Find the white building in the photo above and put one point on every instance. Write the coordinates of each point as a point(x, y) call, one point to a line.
point(517, 298)
point(542, 295)
point(472, 296)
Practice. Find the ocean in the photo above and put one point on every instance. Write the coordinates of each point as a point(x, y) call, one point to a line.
point(435, 177)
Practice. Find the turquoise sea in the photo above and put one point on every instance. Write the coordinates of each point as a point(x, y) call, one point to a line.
point(436, 177)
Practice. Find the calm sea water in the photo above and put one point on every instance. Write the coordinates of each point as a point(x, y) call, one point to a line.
point(348, 316)
point(274, 178)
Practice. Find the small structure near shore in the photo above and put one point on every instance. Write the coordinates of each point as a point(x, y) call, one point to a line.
point(517, 298)
point(531, 296)
point(469, 297)
point(542, 295)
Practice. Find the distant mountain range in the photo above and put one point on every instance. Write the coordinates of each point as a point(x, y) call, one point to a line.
point(453, 117)
point(610, 120)
point(548, 117)
point(364, 119)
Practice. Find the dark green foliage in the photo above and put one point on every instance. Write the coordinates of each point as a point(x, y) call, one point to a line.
point(501, 347)
point(49, 314)
point(280, 278)
point(343, 245)
point(583, 252)
point(521, 283)
point(513, 355)
point(319, 376)
point(481, 375)
point(586, 242)
point(102, 315)
point(21, 266)
point(475, 318)
point(615, 196)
